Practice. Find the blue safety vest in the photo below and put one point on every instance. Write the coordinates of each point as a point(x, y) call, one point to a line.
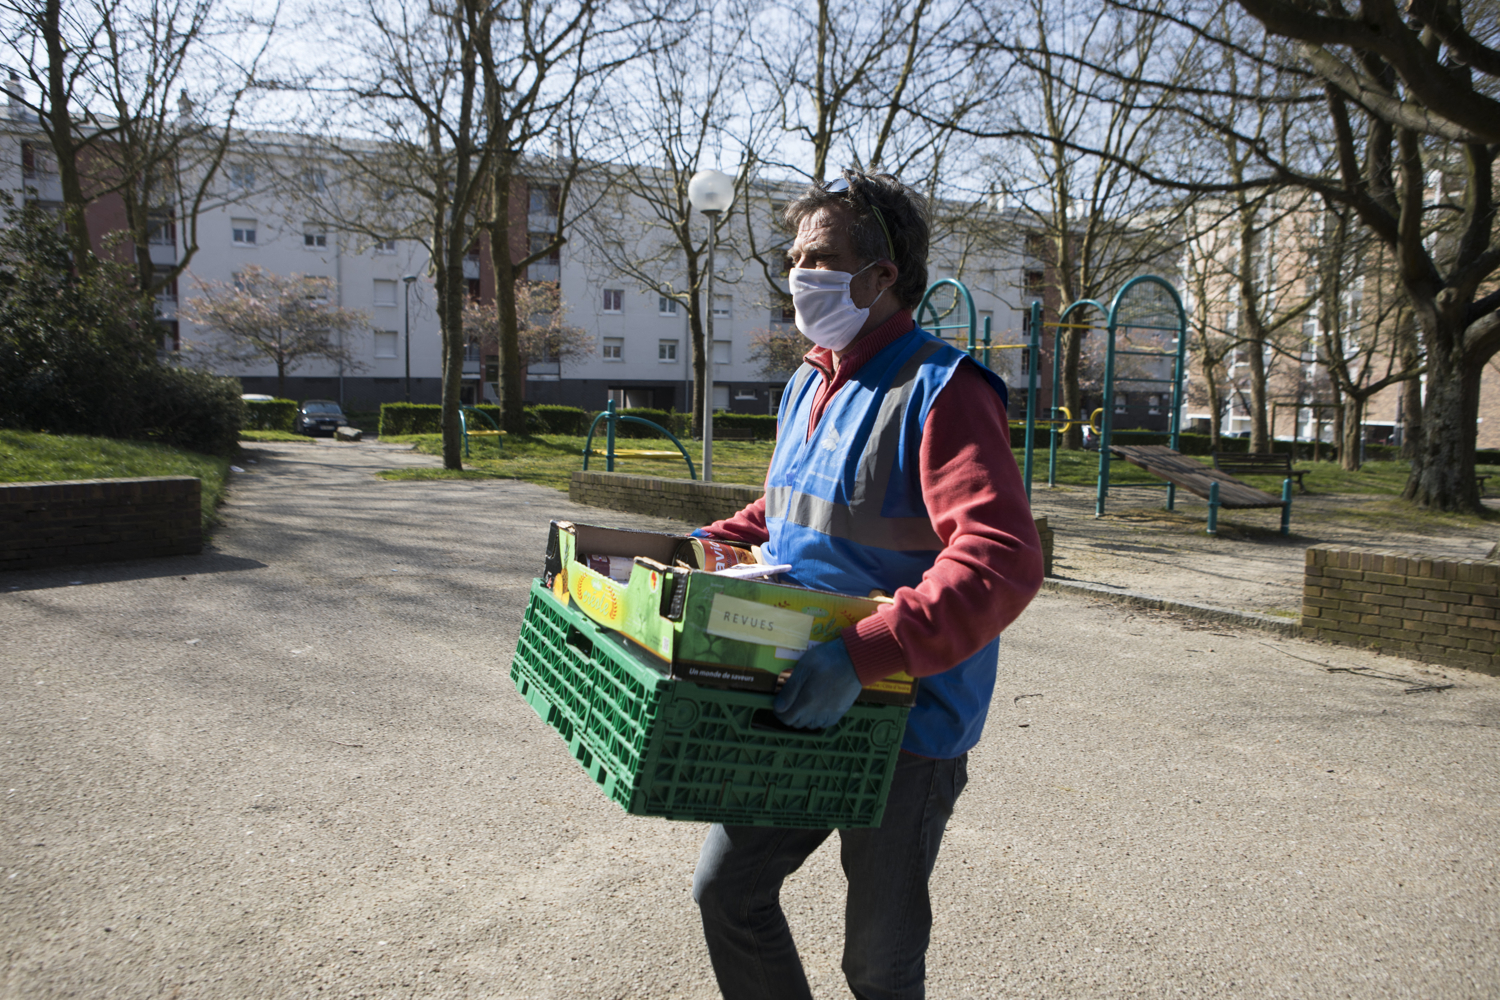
point(844, 508)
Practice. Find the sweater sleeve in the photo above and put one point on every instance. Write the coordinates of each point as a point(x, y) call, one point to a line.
point(748, 526)
point(990, 566)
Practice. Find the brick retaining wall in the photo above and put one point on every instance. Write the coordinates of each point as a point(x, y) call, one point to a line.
point(1436, 610)
point(689, 500)
point(99, 520)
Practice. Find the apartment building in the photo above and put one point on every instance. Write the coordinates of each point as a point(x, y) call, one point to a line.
point(262, 210)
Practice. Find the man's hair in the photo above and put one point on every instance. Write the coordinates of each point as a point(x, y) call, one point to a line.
point(873, 199)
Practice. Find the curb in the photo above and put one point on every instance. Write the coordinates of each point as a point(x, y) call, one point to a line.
point(1289, 627)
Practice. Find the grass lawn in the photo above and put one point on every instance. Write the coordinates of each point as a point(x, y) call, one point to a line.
point(248, 435)
point(29, 457)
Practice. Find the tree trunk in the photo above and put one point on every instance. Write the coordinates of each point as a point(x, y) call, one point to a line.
point(1353, 419)
point(1260, 437)
point(697, 331)
point(1215, 413)
point(281, 380)
point(511, 384)
point(1442, 468)
point(1411, 393)
point(60, 128)
point(1072, 391)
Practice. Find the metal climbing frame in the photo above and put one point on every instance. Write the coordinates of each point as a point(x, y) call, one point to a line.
point(610, 418)
point(1139, 316)
point(967, 331)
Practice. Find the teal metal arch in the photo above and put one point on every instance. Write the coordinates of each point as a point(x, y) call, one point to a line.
point(980, 349)
point(463, 423)
point(1057, 409)
point(1178, 354)
point(610, 417)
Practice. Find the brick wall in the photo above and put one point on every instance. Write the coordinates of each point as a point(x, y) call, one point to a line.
point(1437, 610)
point(689, 500)
point(99, 520)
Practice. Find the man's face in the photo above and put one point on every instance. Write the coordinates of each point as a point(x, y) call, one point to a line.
point(823, 243)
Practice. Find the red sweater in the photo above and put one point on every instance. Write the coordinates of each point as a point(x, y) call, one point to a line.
point(990, 566)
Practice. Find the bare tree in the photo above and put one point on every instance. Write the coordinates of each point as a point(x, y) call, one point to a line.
point(112, 100)
point(778, 351)
point(1075, 128)
point(281, 319)
point(543, 332)
point(683, 114)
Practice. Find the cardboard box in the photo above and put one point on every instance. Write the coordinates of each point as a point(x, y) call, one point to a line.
point(707, 628)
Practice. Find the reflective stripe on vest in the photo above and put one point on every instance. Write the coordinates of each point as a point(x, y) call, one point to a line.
point(844, 507)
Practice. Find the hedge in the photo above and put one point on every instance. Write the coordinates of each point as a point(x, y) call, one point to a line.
point(762, 425)
point(546, 418)
point(424, 418)
point(270, 414)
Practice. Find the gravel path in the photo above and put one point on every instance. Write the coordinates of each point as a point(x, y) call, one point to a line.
point(294, 767)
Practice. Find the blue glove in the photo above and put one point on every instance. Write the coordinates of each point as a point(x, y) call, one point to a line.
point(821, 688)
point(699, 533)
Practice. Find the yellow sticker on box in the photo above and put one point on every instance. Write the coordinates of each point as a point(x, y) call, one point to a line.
point(748, 621)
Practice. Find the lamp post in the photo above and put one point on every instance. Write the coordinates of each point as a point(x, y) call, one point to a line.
point(710, 192)
point(407, 281)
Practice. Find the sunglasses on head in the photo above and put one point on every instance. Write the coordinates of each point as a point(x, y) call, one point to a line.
point(840, 185)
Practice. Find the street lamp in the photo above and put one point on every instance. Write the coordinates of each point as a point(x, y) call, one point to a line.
point(408, 280)
point(710, 192)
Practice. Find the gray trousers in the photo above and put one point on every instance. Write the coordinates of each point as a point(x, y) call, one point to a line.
point(887, 916)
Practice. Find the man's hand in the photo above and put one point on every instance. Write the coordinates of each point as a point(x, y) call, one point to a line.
point(821, 688)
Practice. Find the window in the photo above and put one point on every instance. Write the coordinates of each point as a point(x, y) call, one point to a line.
point(161, 228)
point(666, 307)
point(1036, 245)
point(666, 350)
point(473, 288)
point(385, 246)
point(385, 343)
point(613, 349)
point(36, 161)
point(722, 306)
point(721, 352)
point(167, 293)
point(614, 300)
point(776, 395)
point(244, 232)
point(721, 397)
point(544, 199)
point(548, 268)
point(783, 311)
point(385, 292)
point(241, 176)
point(1119, 402)
point(1034, 282)
point(314, 236)
point(314, 180)
point(1154, 404)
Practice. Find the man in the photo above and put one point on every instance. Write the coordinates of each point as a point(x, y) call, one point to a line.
point(892, 472)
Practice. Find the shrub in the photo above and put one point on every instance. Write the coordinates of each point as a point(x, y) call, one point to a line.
point(762, 425)
point(668, 419)
point(78, 351)
point(426, 418)
point(270, 414)
point(549, 419)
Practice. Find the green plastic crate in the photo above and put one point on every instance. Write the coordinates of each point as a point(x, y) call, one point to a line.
point(671, 748)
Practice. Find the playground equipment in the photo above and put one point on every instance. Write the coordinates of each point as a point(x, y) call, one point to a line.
point(965, 334)
point(610, 417)
point(463, 423)
point(1149, 303)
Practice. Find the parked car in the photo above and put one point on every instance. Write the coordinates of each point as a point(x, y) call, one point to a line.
point(319, 416)
point(256, 397)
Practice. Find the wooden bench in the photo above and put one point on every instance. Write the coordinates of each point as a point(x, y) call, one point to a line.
point(733, 434)
point(1274, 464)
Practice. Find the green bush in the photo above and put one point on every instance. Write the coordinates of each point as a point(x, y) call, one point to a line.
point(549, 419)
point(763, 425)
point(78, 351)
point(668, 419)
point(270, 414)
point(426, 418)
point(191, 409)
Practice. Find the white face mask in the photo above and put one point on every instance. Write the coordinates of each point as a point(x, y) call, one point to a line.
point(826, 314)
